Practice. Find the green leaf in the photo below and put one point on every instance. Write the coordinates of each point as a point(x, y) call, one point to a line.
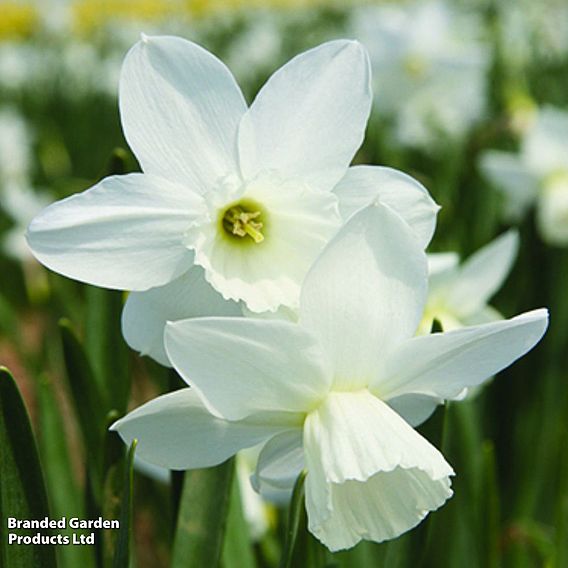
point(65, 496)
point(105, 346)
point(22, 491)
point(122, 552)
point(113, 487)
point(364, 555)
point(203, 511)
point(491, 515)
point(237, 549)
point(294, 518)
point(561, 535)
point(89, 401)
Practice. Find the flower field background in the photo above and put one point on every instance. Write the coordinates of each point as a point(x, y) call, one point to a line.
point(470, 98)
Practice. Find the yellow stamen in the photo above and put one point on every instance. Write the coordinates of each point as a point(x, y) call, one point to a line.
point(241, 223)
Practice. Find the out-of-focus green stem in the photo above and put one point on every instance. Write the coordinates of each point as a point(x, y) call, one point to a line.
point(294, 516)
point(202, 516)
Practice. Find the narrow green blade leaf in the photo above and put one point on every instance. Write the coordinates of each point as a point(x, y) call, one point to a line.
point(237, 549)
point(65, 497)
point(122, 551)
point(295, 515)
point(89, 401)
point(490, 543)
point(113, 487)
point(22, 491)
point(561, 536)
point(107, 350)
point(201, 522)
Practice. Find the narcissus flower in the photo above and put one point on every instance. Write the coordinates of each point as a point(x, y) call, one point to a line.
point(429, 65)
point(538, 173)
point(458, 295)
point(336, 393)
point(146, 313)
point(250, 195)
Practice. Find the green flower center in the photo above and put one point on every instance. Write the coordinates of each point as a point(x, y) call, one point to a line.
point(244, 221)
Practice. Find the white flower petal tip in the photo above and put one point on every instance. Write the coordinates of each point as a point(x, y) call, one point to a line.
point(370, 475)
point(177, 431)
point(319, 103)
point(478, 279)
point(144, 38)
point(552, 211)
point(376, 185)
point(441, 365)
point(126, 232)
point(180, 107)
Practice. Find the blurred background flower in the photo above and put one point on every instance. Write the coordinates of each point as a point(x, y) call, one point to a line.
point(430, 67)
point(537, 173)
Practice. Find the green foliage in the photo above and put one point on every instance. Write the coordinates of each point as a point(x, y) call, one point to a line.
point(202, 516)
point(122, 554)
point(89, 401)
point(237, 546)
point(22, 491)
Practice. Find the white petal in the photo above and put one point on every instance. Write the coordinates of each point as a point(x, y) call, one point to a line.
point(381, 508)
point(414, 408)
point(370, 475)
point(362, 185)
point(145, 313)
point(546, 146)
point(509, 174)
point(365, 293)
point(279, 465)
point(442, 274)
point(440, 262)
point(177, 431)
point(180, 109)
point(242, 366)
point(354, 435)
point(482, 275)
point(309, 119)
point(126, 232)
point(552, 212)
point(443, 364)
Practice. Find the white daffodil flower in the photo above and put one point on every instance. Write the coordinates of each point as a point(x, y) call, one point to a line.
point(429, 67)
point(146, 313)
point(459, 295)
point(245, 197)
point(530, 30)
point(539, 172)
point(335, 393)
